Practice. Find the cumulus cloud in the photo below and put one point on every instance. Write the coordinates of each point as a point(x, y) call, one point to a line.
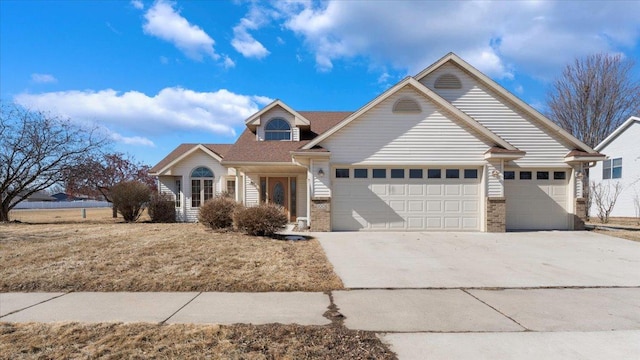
point(538, 36)
point(165, 22)
point(172, 109)
point(43, 78)
point(137, 4)
point(243, 41)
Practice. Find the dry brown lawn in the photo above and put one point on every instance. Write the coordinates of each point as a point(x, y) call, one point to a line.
point(624, 234)
point(150, 341)
point(631, 223)
point(47, 216)
point(108, 256)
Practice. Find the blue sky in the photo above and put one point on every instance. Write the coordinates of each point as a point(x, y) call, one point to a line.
point(154, 74)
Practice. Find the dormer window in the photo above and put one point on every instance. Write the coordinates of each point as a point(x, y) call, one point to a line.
point(277, 129)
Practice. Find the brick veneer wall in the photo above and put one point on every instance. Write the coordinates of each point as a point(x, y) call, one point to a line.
point(496, 214)
point(581, 214)
point(320, 215)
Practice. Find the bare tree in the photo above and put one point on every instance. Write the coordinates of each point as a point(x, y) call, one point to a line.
point(605, 196)
point(594, 96)
point(96, 176)
point(36, 149)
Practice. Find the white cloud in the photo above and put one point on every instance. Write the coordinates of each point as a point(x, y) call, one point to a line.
point(172, 109)
point(166, 23)
point(539, 36)
point(131, 140)
point(243, 41)
point(137, 4)
point(43, 78)
point(228, 63)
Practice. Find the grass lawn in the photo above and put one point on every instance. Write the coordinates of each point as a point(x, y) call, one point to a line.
point(101, 255)
point(632, 223)
point(148, 341)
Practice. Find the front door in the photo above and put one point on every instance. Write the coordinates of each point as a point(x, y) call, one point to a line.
point(279, 192)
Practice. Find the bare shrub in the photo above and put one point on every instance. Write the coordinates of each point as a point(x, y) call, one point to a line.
point(129, 198)
point(263, 220)
point(605, 196)
point(217, 213)
point(162, 209)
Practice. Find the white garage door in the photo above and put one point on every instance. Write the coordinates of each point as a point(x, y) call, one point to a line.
point(536, 199)
point(406, 199)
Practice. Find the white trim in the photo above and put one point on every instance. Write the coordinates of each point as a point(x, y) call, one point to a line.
point(617, 132)
point(187, 153)
point(254, 120)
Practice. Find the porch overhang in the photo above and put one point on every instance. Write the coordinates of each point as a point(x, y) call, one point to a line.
point(577, 156)
point(498, 153)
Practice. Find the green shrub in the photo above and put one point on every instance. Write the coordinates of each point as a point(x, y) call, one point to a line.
point(129, 198)
point(162, 209)
point(263, 220)
point(217, 213)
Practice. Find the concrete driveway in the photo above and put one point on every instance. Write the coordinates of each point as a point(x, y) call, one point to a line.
point(481, 260)
point(535, 295)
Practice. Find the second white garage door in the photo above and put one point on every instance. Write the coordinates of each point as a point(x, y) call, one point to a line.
point(537, 199)
point(451, 204)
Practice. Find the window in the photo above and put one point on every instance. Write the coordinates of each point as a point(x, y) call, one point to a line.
point(470, 173)
point(379, 173)
point(509, 175)
point(542, 175)
point(415, 173)
point(231, 188)
point(263, 190)
point(612, 169)
point(178, 193)
point(201, 185)
point(559, 175)
point(360, 173)
point(525, 175)
point(342, 173)
point(452, 173)
point(434, 173)
point(277, 129)
point(397, 173)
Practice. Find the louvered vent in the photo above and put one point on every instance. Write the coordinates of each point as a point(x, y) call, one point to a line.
point(448, 81)
point(406, 106)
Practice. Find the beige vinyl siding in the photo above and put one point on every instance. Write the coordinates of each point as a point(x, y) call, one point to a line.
point(542, 146)
point(495, 184)
point(252, 193)
point(382, 136)
point(321, 185)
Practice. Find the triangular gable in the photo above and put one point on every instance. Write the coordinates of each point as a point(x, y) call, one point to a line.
point(409, 81)
point(254, 121)
point(184, 155)
point(617, 132)
point(451, 57)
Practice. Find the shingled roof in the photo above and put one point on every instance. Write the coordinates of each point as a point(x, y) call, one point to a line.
point(220, 149)
point(248, 149)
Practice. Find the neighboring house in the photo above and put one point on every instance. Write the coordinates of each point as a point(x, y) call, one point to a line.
point(621, 166)
point(447, 149)
point(40, 196)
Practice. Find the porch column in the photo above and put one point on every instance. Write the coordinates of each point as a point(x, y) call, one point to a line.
point(496, 202)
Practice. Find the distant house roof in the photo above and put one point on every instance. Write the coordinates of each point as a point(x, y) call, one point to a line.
point(248, 149)
point(219, 149)
point(41, 196)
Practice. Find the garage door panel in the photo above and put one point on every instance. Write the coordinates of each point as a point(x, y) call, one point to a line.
point(536, 204)
point(406, 204)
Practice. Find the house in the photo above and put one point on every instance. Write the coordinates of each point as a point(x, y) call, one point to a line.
point(622, 165)
point(447, 150)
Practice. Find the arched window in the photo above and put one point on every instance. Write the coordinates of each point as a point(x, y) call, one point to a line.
point(201, 185)
point(406, 106)
point(448, 81)
point(277, 129)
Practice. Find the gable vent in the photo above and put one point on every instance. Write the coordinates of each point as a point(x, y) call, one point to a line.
point(448, 81)
point(406, 106)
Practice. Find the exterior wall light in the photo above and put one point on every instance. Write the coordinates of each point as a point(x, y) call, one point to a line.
point(320, 173)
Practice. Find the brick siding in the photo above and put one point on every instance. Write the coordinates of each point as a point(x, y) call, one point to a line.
point(321, 215)
point(496, 214)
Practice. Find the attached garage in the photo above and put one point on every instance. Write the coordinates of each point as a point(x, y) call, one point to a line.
point(406, 199)
point(537, 199)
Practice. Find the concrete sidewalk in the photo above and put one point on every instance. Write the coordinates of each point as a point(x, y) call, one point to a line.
point(588, 323)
